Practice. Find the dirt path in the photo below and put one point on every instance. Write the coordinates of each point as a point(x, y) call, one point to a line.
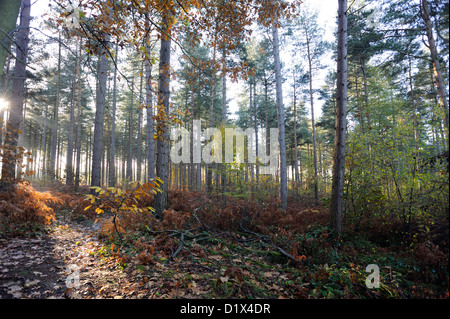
point(65, 263)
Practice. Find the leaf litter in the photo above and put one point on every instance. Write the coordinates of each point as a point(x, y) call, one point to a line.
point(195, 250)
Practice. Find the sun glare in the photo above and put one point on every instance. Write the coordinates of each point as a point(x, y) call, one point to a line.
point(3, 104)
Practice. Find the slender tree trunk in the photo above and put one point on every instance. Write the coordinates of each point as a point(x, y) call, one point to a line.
point(162, 159)
point(252, 120)
point(55, 116)
point(280, 116)
point(224, 117)
point(129, 171)
point(58, 157)
point(69, 157)
point(266, 111)
point(443, 102)
point(99, 118)
point(5, 86)
point(255, 126)
point(191, 146)
point(112, 141)
point(9, 10)
point(212, 94)
point(296, 175)
point(19, 172)
point(341, 113)
point(139, 143)
point(149, 113)
point(17, 97)
point(316, 179)
point(78, 141)
point(44, 143)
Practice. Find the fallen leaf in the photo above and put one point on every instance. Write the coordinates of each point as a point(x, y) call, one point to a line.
point(270, 274)
point(223, 279)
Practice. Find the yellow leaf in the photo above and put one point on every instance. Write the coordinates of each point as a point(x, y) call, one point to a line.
point(86, 208)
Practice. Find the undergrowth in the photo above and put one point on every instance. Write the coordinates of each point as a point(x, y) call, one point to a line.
point(240, 248)
point(23, 210)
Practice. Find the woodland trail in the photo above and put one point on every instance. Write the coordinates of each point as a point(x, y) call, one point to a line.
point(64, 263)
point(71, 262)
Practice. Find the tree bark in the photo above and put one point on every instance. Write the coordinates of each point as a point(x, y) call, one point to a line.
point(55, 116)
point(10, 158)
point(162, 158)
point(443, 102)
point(129, 170)
point(78, 140)
point(9, 11)
point(341, 113)
point(296, 174)
point(69, 157)
point(112, 141)
point(212, 94)
point(99, 118)
point(149, 113)
point(316, 179)
point(139, 137)
point(224, 117)
point(280, 117)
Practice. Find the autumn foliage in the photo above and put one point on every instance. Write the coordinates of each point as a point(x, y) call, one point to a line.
point(244, 237)
point(23, 208)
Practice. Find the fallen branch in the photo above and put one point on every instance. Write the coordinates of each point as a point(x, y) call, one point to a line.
point(180, 246)
point(262, 237)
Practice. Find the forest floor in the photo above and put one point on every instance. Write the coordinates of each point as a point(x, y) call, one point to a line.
point(72, 258)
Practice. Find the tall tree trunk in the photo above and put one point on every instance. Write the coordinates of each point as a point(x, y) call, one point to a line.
point(191, 146)
point(224, 116)
point(55, 116)
point(266, 110)
point(4, 92)
point(252, 120)
point(99, 118)
point(19, 167)
point(311, 96)
point(139, 137)
point(212, 94)
point(149, 113)
point(280, 116)
point(112, 141)
point(69, 157)
point(129, 171)
point(78, 140)
point(296, 175)
point(341, 113)
point(162, 158)
point(9, 10)
point(16, 97)
point(44, 143)
point(255, 126)
point(443, 102)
